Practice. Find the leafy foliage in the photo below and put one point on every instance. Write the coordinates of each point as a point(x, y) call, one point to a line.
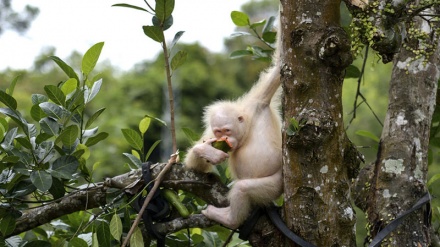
point(39, 159)
point(261, 30)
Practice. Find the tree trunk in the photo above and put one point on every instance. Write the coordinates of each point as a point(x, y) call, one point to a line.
point(319, 160)
point(397, 179)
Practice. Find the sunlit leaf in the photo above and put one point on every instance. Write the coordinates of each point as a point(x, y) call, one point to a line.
point(91, 58)
point(64, 167)
point(66, 68)
point(144, 124)
point(8, 100)
point(154, 32)
point(178, 59)
point(41, 179)
point(116, 227)
point(55, 94)
point(136, 239)
point(239, 18)
point(69, 86)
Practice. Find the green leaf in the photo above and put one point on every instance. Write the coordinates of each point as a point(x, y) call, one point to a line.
point(164, 9)
point(155, 33)
point(240, 54)
point(11, 87)
point(95, 90)
point(66, 68)
point(64, 167)
point(352, 72)
point(163, 25)
point(94, 117)
point(57, 189)
point(368, 134)
point(8, 100)
point(8, 224)
point(16, 116)
point(152, 149)
point(190, 134)
point(269, 25)
point(130, 6)
point(178, 59)
point(136, 239)
point(144, 124)
point(257, 24)
point(133, 138)
point(41, 179)
point(134, 160)
point(9, 138)
point(49, 126)
point(38, 243)
point(68, 135)
point(4, 125)
point(36, 113)
point(432, 180)
point(239, 18)
point(77, 242)
point(91, 58)
point(176, 38)
point(52, 110)
point(69, 86)
point(55, 94)
point(39, 98)
point(269, 37)
point(95, 139)
point(42, 137)
point(103, 234)
point(24, 142)
point(116, 227)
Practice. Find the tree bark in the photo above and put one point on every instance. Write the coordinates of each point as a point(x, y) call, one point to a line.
point(319, 160)
point(397, 179)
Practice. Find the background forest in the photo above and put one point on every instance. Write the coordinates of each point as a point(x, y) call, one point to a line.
point(129, 95)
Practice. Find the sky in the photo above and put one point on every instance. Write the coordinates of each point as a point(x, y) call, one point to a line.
point(77, 25)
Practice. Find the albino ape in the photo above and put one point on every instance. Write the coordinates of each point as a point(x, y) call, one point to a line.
point(252, 126)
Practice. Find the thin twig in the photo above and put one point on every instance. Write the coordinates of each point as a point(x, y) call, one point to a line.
point(157, 182)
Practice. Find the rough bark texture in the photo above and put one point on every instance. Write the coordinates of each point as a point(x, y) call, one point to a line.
point(397, 179)
point(319, 160)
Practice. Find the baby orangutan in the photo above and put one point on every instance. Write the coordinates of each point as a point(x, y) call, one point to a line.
point(252, 126)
